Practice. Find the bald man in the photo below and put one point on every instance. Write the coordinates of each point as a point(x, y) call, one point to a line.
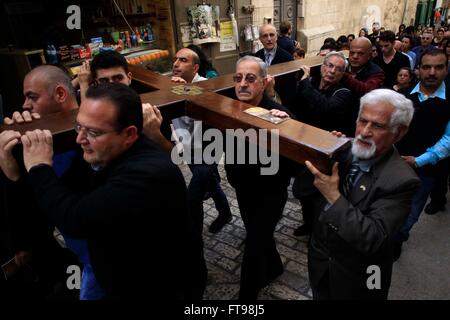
point(362, 75)
point(47, 89)
point(273, 54)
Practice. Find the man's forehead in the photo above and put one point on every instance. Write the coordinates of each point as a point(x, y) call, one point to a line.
point(110, 71)
point(184, 53)
point(268, 29)
point(251, 66)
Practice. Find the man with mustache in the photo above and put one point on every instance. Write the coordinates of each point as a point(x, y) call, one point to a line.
point(261, 198)
point(365, 201)
point(325, 103)
point(430, 124)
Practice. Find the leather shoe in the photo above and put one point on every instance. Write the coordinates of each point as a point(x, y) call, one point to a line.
point(432, 208)
point(302, 231)
point(219, 223)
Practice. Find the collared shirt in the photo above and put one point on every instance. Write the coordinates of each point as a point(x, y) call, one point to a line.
point(436, 153)
point(270, 55)
point(439, 93)
point(364, 165)
point(187, 129)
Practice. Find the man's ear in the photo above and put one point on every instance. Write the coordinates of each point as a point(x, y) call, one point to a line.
point(60, 93)
point(130, 77)
point(196, 67)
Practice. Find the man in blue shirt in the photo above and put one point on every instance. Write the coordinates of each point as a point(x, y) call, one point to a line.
point(430, 122)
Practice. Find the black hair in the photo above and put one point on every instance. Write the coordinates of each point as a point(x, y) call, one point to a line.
point(330, 41)
point(411, 73)
point(433, 52)
point(108, 59)
point(387, 36)
point(410, 30)
point(329, 46)
point(300, 52)
point(205, 65)
point(126, 101)
point(284, 27)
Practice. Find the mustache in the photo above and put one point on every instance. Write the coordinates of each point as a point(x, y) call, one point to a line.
point(365, 140)
point(244, 91)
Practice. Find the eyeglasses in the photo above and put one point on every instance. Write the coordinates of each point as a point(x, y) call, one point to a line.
point(329, 65)
point(250, 78)
point(91, 134)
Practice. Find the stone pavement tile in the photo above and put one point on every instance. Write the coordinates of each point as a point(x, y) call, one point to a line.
point(211, 256)
point(294, 282)
point(282, 292)
point(222, 292)
point(227, 251)
point(286, 240)
point(291, 254)
point(298, 269)
point(239, 232)
point(229, 239)
point(227, 264)
point(285, 221)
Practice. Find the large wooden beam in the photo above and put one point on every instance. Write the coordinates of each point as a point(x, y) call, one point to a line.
point(298, 141)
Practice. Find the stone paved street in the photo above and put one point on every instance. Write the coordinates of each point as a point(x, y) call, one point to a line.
point(223, 252)
point(421, 273)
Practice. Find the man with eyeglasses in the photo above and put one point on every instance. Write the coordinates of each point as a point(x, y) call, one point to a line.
point(261, 198)
point(425, 43)
point(325, 103)
point(118, 198)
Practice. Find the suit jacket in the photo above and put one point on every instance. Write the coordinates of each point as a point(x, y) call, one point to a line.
point(281, 56)
point(285, 85)
point(356, 233)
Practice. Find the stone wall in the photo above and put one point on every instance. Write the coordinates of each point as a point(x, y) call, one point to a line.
point(332, 18)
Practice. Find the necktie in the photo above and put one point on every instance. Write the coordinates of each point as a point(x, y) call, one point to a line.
point(350, 178)
point(268, 59)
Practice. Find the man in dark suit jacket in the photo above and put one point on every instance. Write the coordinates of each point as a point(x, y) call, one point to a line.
point(367, 198)
point(117, 198)
point(273, 54)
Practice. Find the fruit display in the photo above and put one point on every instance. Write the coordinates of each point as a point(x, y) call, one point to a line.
point(146, 56)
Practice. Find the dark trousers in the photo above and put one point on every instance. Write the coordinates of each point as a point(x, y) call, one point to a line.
point(205, 178)
point(440, 187)
point(260, 212)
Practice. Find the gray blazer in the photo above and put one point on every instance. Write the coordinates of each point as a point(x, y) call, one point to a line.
point(356, 233)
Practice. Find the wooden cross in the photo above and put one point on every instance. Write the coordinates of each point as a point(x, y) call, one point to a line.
point(297, 141)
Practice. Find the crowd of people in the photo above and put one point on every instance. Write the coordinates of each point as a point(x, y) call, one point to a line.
point(112, 194)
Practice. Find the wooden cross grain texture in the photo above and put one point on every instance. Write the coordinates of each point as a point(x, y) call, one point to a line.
point(215, 107)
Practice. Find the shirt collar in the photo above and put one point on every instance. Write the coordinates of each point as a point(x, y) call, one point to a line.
point(366, 164)
point(271, 52)
point(439, 93)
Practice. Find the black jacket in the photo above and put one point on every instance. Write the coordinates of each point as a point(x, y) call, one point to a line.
point(328, 109)
point(122, 212)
